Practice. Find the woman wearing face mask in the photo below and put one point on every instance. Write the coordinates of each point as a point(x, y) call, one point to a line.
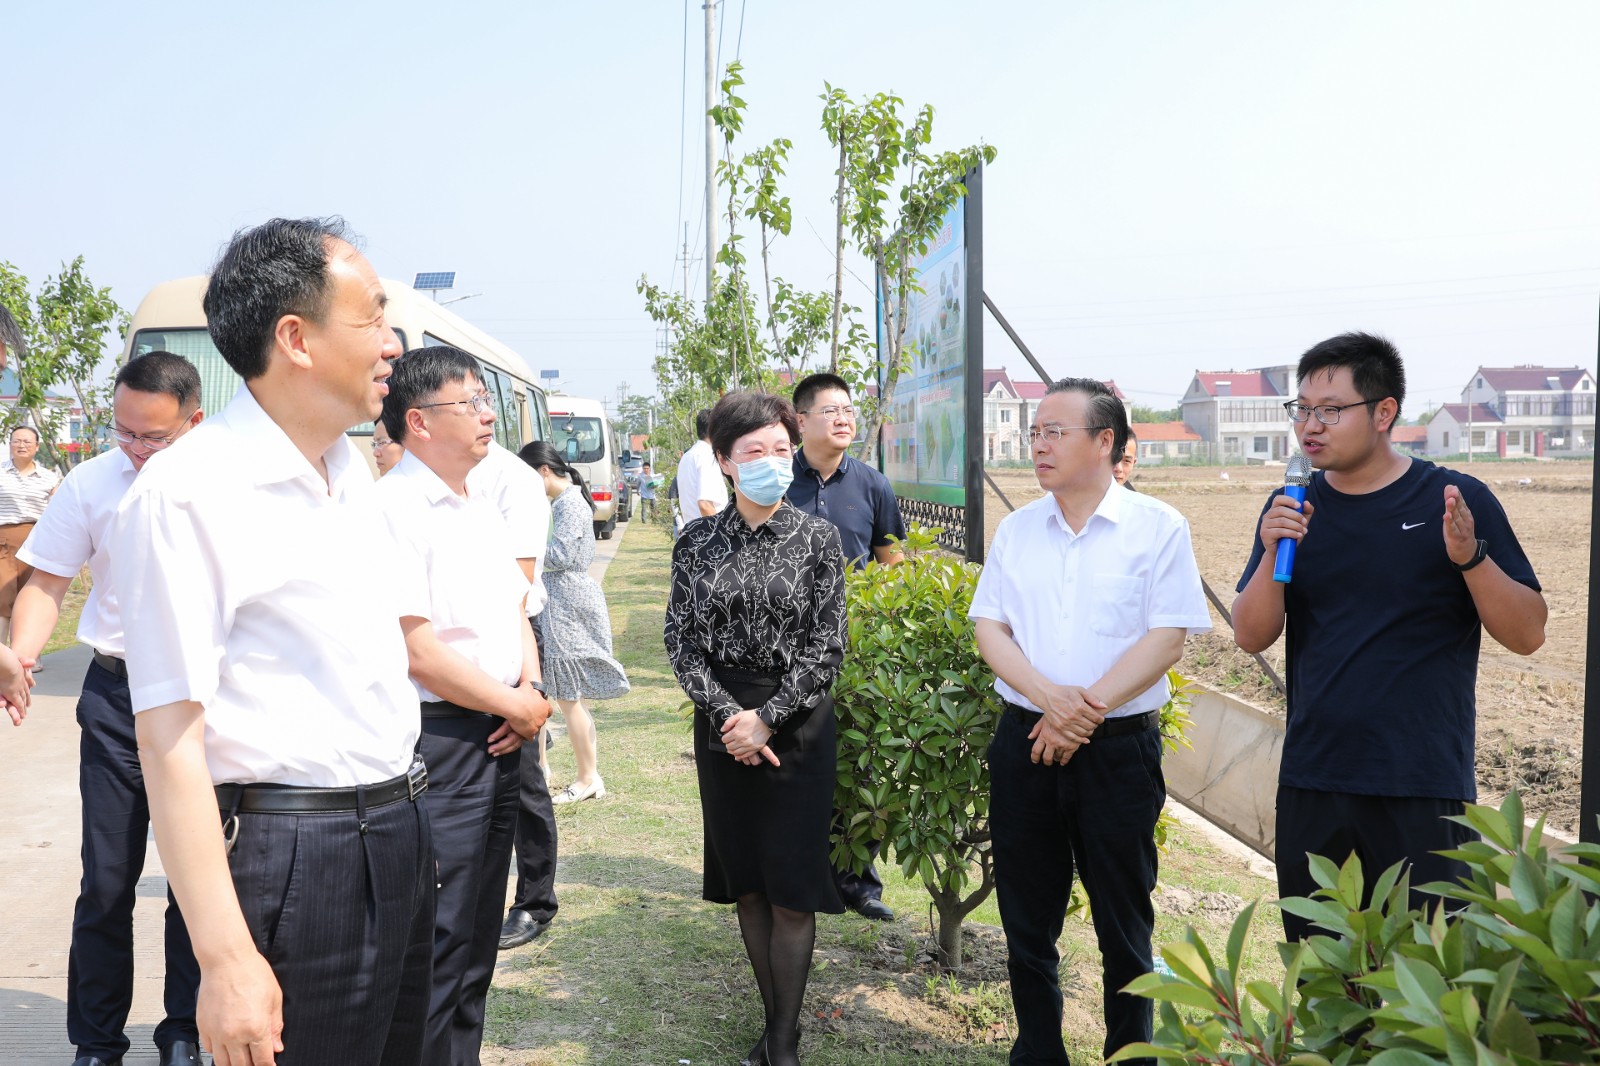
point(755, 630)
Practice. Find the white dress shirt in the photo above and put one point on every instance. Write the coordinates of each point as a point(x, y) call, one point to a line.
point(700, 478)
point(76, 529)
point(1076, 602)
point(464, 550)
point(517, 491)
point(23, 496)
point(273, 598)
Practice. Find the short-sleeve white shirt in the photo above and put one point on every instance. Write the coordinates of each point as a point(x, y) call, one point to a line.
point(23, 497)
point(700, 478)
point(1076, 602)
point(76, 529)
point(464, 550)
point(273, 598)
point(517, 491)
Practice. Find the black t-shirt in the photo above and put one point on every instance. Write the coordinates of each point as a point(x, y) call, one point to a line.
point(857, 499)
point(1383, 638)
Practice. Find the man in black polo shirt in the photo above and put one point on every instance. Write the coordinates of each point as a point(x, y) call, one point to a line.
point(859, 501)
point(1399, 564)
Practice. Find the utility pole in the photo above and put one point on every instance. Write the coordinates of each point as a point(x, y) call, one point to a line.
point(711, 150)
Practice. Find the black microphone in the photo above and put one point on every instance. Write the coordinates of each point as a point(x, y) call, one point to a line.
point(1294, 487)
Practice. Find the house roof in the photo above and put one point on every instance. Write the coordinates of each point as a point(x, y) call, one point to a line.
point(1163, 431)
point(9, 388)
point(1028, 390)
point(990, 376)
point(1480, 413)
point(1409, 435)
point(1238, 382)
point(1531, 378)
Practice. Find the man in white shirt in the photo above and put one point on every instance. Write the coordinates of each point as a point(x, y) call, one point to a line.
point(475, 669)
point(518, 493)
point(702, 489)
point(1082, 607)
point(155, 400)
point(256, 561)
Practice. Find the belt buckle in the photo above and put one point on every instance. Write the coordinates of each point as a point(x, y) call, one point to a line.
point(417, 780)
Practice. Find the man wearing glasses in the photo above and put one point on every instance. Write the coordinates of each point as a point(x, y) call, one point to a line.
point(1399, 564)
point(859, 501)
point(1082, 608)
point(475, 668)
point(385, 450)
point(156, 400)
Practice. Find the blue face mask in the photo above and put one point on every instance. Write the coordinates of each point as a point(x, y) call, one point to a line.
point(764, 481)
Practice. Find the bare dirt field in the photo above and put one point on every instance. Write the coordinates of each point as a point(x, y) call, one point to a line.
point(1530, 710)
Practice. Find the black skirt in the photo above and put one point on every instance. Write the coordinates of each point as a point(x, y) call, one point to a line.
point(766, 827)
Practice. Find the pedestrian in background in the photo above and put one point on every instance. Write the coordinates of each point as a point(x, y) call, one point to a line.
point(755, 630)
point(576, 624)
point(25, 488)
point(385, 450)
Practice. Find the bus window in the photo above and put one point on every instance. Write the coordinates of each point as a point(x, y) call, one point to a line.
point(579, 438)
point(508, 426)
point(539, 415)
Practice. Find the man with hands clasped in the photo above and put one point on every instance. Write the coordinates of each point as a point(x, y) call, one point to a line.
point(1082, 607)
point(1399, 562)
point(475, 668)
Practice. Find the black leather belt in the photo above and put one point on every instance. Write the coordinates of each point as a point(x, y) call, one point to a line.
point(446, 709)
point(111, 664)
point(1111, 727)
point(287, 799)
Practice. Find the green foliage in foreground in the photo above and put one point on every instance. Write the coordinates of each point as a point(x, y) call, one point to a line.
point(1511, 978)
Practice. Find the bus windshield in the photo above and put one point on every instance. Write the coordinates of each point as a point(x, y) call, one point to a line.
point(577, 438)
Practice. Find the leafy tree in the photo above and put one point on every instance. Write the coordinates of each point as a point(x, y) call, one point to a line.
point(635, 414)
point(1151, 414)
point(64, 329)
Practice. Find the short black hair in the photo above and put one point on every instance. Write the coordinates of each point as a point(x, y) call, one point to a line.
point(1132, 435)
point(161, 372)
point(418, 374)
point(277, 268)
point(1103, 410)
point(743, 412)
point(1373, 361)
point(807, 390)
point(36, 437)
point(702, 423)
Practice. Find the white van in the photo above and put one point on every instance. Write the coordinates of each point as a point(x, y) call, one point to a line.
point(582, 433)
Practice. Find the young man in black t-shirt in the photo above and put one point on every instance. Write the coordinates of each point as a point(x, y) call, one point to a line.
point(1399, 563)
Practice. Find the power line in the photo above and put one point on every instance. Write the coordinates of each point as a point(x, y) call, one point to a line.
point(738, 44)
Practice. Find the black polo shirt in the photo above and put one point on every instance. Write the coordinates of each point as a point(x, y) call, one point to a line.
point(857, 499)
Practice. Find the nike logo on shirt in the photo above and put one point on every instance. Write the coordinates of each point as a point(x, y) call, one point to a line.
point(1413, 525)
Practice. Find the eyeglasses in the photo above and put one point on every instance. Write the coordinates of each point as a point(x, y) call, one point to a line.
point(380, 443)
point(477, 404)
point(1054, 433)
point(832, 412)
point(1327, 413)
point(155, 444)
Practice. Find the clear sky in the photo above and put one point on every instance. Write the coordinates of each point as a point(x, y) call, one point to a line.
point(1180, 186)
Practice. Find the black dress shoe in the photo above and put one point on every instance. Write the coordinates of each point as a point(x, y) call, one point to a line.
point(95, 1060)
point(520, 928)
point(181, 1053)
point(875, 909)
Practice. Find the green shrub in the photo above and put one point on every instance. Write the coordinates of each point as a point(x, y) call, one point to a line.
point(1504, 972)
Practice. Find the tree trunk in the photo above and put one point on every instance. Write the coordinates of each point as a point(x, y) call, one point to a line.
point(950, 923)
point(838, 255)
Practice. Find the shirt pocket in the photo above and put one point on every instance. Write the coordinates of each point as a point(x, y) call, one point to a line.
point(1116, 604)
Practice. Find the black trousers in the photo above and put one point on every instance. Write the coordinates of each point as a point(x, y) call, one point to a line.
point(1379, 830)
point(536, 832)
point(1094, 817)
point(344, 915)
point(472, 807)
point(116, 826)
point(856, 888)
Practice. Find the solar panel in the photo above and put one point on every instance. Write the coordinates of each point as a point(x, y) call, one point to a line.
point(435, 279)
point(549, 374)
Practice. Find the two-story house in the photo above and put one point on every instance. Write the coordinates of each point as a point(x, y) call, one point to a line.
point(1518, 411)
point(1240, 412)
point(1008, 409)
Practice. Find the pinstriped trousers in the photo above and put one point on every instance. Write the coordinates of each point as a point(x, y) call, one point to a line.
point(345, 919)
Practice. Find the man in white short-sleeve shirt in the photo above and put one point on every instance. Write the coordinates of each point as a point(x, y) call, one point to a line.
point(155, 400)
point(702, 488)
point(276, 720)
point(475, 668)
point(1082, 607)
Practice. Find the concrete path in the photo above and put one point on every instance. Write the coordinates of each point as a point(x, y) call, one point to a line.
point(39, 872)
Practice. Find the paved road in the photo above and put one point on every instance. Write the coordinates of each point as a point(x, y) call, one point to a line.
point(39, 870)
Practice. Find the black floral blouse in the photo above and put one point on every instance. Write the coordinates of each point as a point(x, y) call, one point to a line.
point(768, 600)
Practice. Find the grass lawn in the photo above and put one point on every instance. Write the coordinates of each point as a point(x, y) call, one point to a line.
point(637, 971)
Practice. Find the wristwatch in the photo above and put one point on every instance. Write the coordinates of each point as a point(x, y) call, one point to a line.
point(1477, 557)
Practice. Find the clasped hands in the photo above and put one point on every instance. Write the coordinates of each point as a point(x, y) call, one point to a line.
point(14, 685)
point(745, 736)
point(535, 711)
point(1071, 715)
